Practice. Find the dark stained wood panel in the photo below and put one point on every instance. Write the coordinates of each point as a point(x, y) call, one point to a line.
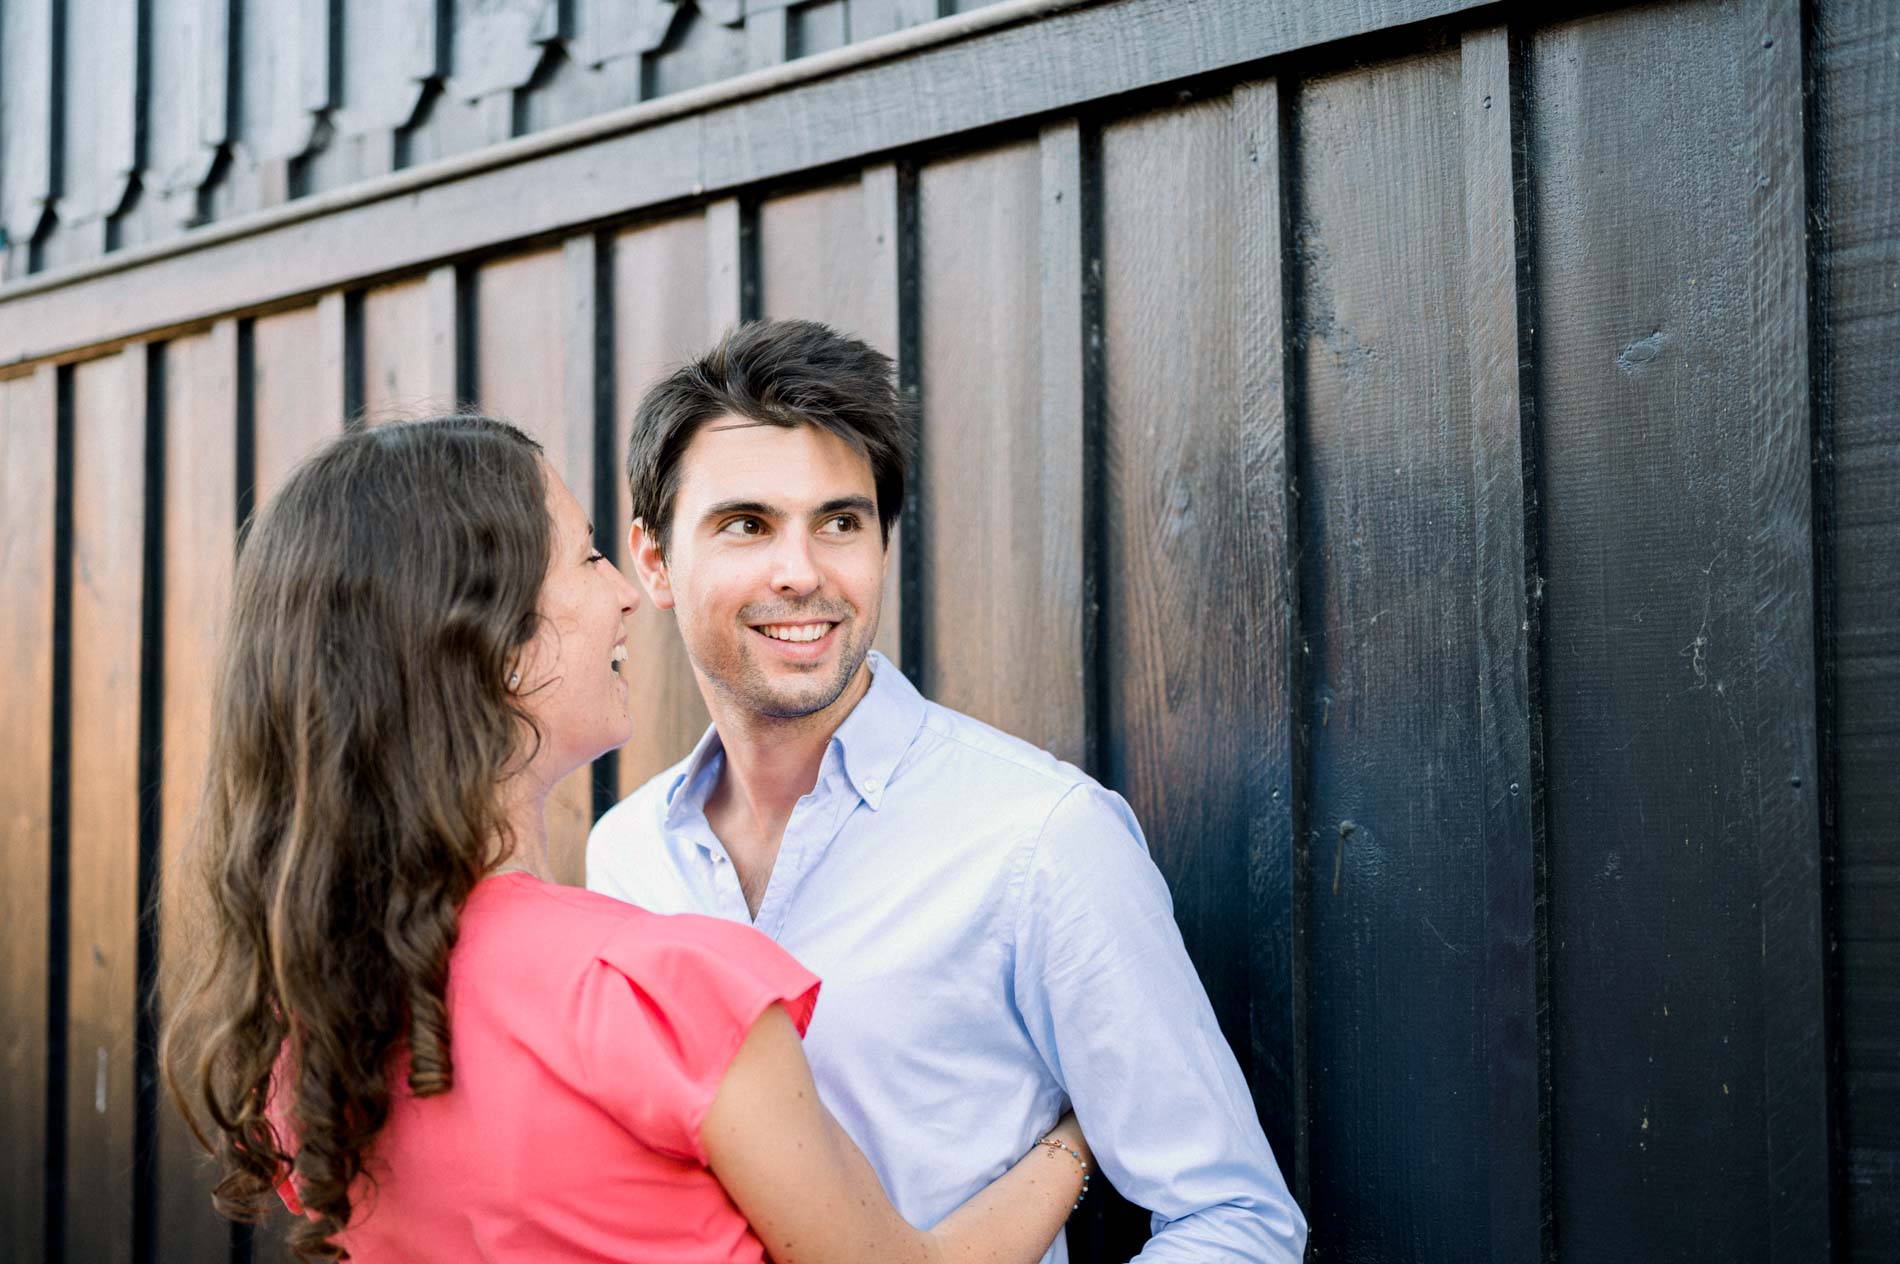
point(1857, 148)
point(27, 457)
point(1000, 485)
point(670, 300)
point(1186, 496)
point(522, 333)
point(1510, 789)
point(109, 409)
point(1688, 1108)
point(1391, 800)
point(830, 254)
point(200, 515)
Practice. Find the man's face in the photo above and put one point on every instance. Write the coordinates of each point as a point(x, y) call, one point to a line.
point(775, 567)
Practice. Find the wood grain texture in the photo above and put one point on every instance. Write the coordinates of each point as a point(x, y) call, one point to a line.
point(830, 254)
point(1276, 857)
point(401, 377)
point(1001, 482)
point(1001, 74)
point(27, 456)
point(108, 542)
point(200, 515)
point(1781, 771)
point(1502, 449)
point(296, 404)
point(1185, 503)
point(1856, 54)
point(522, 327)
point(1391, 801)
point(1678, 663)
point(664, 314)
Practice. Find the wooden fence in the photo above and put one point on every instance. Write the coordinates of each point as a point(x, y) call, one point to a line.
point(1439, 461)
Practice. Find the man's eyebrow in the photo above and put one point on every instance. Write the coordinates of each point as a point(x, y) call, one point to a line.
point(847, 504)
point(757, 508)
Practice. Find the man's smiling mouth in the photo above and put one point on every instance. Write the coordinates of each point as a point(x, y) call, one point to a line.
point(796, 632)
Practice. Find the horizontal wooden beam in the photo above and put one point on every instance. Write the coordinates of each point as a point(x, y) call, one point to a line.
point(1008, 62)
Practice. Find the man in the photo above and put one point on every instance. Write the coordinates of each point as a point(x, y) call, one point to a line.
point(991, 934)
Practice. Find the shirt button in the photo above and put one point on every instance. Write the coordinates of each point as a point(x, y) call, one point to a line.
point(870, 785)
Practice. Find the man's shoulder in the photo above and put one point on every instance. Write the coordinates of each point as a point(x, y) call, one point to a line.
point(1000, 763)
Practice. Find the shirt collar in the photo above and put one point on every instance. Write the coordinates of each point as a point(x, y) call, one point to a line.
point(876, 735)
point(871, 742)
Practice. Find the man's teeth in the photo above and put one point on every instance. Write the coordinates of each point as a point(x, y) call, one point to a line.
point(795, 631)
point(619, 657)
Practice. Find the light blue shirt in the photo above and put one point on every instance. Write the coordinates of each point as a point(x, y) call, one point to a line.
point(994, 944)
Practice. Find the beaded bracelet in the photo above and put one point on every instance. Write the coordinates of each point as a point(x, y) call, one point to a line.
point(1053, 1144)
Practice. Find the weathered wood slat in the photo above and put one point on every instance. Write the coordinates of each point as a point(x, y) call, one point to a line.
point(793, 119)
point(109, 406)
point(1857, 194)
point(1000, 492)
point(404, 375)
point(665, 312)
point(1396, 949)
point(296, 397)
point(200, 518)
point(1780, 772)
point(1671, 401)
point(1276, 857)
point(1502, 449)
point(27, 474)
point(1182, 516)
point(523, 323)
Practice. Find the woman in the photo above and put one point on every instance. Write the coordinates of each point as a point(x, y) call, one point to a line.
point(426, 1048)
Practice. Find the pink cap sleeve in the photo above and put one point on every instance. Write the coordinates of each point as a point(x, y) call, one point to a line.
point(666, 1008)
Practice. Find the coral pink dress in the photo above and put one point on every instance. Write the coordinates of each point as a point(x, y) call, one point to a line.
point(588, 1038)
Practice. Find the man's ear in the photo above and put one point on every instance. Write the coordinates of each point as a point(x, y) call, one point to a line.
point(648, 566)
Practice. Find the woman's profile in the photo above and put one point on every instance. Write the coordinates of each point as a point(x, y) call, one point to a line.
point(397, 1024)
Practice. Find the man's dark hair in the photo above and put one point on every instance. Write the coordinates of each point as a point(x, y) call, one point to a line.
point(776, 373)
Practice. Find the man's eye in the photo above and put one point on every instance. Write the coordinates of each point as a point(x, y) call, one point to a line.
point(841, 524)
point(743, 526)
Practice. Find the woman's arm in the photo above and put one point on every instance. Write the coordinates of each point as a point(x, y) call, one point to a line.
point(811, 1195)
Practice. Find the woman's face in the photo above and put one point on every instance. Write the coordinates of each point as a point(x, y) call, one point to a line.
point(570, 672)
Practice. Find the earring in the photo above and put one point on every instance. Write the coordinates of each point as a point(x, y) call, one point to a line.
point(514, 680)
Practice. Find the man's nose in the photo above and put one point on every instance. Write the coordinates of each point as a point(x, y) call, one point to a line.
point(794, 567)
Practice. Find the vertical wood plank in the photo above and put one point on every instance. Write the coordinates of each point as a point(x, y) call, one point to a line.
point(1856, 145)
point(830, 255)
point(521, 330)
point(200, 511)
point(401, 376)
point(1185, 511)
point(1001, 488)
point(666, 311)
point(1391, 806)
point(108, 538)
point(27, 490)
point(1688, 1117)
point(1519, 1172)
point(1782, 770)
point(26, 141)
point(1275, 858)
point(295, 403)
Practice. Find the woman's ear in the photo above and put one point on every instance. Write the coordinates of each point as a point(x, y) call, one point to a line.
point(649, 566)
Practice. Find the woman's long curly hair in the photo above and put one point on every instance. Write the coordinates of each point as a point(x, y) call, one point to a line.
point(361, 731)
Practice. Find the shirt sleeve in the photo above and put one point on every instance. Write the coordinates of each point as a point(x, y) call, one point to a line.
point(1114, 1005)
point(664, 1011)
